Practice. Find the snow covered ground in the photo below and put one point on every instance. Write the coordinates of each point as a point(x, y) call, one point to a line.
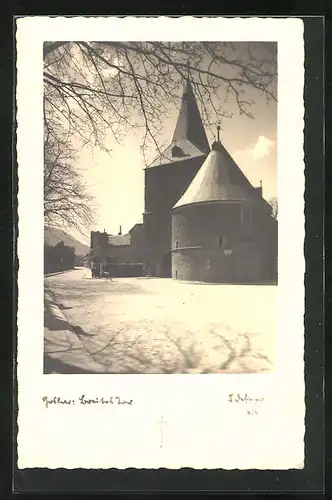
point(152, 325)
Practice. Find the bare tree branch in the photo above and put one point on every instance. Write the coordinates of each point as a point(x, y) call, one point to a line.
point(67, 203)
point(274, 204)
point(93, 89)
point(96, 90)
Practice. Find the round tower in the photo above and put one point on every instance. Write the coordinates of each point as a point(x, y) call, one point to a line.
point(222, 227)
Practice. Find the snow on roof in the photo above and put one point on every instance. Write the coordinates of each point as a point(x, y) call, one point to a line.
point(184, 151)
point(219, 179)
point(119, 239)
point(189, 137)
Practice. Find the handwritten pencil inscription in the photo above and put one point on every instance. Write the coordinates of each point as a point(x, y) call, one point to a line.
point(86, 401)
point(249, 401)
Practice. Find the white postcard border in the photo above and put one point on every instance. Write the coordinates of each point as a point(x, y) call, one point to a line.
point(201, 429)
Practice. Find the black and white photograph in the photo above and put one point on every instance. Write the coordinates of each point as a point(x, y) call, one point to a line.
point(160, 199)
point(160, 243)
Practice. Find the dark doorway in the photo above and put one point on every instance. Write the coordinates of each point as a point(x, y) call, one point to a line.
point(166, 265)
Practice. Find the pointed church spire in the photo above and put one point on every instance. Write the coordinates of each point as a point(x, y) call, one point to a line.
point(189, 124)
point(189, 138)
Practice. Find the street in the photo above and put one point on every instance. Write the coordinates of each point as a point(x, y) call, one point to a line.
point(155, 325)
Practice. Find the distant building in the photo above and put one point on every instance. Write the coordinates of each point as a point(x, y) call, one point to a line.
point(121, 249)
point(203, 220)
point(59, 257)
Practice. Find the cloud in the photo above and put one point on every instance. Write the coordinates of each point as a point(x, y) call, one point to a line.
point(262, 148)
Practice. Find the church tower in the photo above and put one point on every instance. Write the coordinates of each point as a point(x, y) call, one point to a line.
point(168, 177)
point(222, 228)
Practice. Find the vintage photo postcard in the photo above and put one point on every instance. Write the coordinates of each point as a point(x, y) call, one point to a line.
point(161, 232)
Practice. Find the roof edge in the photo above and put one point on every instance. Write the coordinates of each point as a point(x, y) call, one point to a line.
point(178, 160)
point(213, 202)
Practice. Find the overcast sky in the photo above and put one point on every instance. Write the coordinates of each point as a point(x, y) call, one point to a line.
point(117, 181)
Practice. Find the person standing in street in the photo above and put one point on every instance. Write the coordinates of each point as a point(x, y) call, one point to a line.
point(93, 269)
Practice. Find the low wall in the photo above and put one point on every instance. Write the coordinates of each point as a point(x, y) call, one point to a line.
point(124, 270)
point(56, 268)
point(215, 266)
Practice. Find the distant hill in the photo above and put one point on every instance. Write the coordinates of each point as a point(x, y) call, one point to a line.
point(53, 236)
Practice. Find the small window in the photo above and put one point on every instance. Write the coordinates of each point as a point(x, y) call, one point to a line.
point(176, 244)
point(246, 214)
point(177, 152)
point(220, 241)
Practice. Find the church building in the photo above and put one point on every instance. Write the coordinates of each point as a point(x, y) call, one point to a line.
point(168, 177)
point(203, 220)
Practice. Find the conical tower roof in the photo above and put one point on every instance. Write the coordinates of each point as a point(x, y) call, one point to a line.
point(219, 179)
point(189, 138)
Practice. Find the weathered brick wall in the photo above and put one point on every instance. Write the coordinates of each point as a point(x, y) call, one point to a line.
point(214, 229)
point(99, 244)
point(121, 253)
point(164, 185)
point(137, 240)
point(158, 243)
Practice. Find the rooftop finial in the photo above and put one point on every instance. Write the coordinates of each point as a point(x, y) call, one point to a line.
point(218, 133)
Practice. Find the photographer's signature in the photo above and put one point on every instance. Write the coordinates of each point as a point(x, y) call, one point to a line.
point(243, 398)
point(249, 401)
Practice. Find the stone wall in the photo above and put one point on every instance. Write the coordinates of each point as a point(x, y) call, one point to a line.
point(164, 185)
point(223, 242)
